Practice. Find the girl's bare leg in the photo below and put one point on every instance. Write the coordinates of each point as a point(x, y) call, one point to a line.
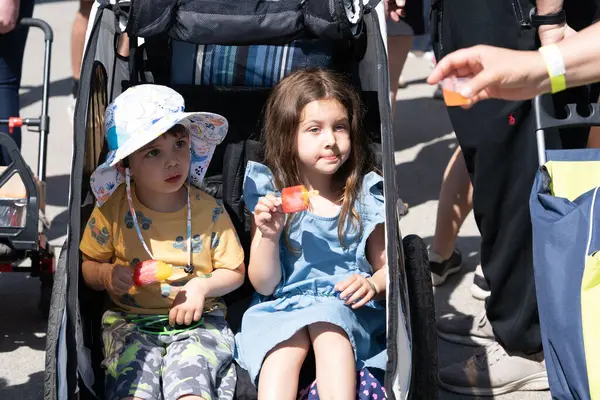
point(280, 371)
point(456, 202)
point(336, 370)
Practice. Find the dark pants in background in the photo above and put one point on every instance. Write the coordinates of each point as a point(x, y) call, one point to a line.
point(12, 47)
point(499, 146)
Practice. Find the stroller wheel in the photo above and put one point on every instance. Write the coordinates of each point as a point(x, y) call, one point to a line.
point(45, 294)
point(424, 383)
point(46, 269)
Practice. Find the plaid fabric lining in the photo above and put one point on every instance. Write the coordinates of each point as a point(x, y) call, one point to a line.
point(252, 66)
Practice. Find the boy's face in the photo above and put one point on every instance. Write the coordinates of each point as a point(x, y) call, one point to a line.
point(162, 165)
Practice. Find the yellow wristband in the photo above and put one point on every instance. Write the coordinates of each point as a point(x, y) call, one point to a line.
point(556, 67)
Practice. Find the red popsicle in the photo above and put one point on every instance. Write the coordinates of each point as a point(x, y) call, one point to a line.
point(296, 198)
point(151, 271)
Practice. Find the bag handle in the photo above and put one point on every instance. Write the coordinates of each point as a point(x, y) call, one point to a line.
point(543, 120)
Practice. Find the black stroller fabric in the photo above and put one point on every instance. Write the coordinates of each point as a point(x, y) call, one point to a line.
point(246, 21)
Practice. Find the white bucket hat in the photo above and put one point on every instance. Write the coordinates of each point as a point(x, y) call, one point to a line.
point(141, 114)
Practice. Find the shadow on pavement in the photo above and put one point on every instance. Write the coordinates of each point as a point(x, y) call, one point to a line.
point(22, 323)
point(28, 390)
point(57, 194)
point(33, 94)
point(422, 126)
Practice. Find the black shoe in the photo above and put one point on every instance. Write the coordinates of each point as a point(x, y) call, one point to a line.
point(480, 289)
point(441, 270)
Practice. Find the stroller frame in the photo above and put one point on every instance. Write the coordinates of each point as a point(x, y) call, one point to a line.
point(20, 242)
point(411, 317)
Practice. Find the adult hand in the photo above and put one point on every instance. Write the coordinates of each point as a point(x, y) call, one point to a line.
point(9, 12)
point(495, 73)
point(551, 34)
point(395, 9)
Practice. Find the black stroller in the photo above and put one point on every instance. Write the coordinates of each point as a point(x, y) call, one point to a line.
point(251, 45)
point(22, 220)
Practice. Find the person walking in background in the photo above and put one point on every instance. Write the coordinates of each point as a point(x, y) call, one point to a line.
point(499, 149)
point(12, 48)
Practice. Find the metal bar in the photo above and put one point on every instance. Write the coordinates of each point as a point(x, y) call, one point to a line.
point(45, 126)
point(538, 109)
point(26, 121)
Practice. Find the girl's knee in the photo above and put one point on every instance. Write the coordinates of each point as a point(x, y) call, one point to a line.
point(325, 330)
point(293, 351)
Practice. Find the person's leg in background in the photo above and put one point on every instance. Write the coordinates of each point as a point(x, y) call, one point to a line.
point(501, 155)
point(78, 42)
point(398, 48)
point(12, 48)
point(455, 203)
point(499, 147)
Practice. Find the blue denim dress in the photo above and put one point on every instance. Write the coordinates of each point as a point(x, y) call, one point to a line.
point(306, 293)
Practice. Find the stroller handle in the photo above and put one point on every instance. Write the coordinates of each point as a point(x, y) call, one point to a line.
point(38, 23)
point(543, 120)
point(44, 120)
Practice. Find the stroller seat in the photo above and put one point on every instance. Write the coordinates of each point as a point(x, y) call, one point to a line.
point(234, 80)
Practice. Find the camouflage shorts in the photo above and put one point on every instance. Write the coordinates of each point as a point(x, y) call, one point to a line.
point(197, 361)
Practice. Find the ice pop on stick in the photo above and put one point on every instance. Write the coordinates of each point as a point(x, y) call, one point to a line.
point(296, 198)
point(151, 271)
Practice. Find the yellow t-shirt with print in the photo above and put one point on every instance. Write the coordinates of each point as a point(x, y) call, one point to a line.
point(111, 235)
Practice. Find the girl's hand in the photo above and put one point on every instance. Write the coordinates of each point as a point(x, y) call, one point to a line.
point(269, 216)
point(119, 279)
point(188, 304)
point(356, 290)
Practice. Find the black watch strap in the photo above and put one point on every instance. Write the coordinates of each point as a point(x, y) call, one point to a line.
point(549, 19)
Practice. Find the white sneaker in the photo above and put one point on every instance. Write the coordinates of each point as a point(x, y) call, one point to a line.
point(492, 371)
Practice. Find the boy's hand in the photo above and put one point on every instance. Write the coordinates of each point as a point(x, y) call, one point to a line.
point(188, 304)
point(119, 279)
point(269, 216)
point(356, 290)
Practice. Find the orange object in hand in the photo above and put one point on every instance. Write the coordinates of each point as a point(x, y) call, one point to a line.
point(296, 198)
point(151, 271)
point(452, 98)
point(450, 89)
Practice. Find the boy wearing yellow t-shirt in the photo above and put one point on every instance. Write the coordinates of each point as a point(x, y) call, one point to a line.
point(167, 338)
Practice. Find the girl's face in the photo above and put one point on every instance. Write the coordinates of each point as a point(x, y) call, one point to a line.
point(323, 138)
point(162, 165)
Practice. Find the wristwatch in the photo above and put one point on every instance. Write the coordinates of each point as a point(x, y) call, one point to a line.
point(548, 19)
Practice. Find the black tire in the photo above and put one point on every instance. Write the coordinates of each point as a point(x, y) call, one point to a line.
point(45, 265)
point(46, 283)
point(424, 378)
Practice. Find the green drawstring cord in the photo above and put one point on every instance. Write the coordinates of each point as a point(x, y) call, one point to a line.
point(159, 325)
